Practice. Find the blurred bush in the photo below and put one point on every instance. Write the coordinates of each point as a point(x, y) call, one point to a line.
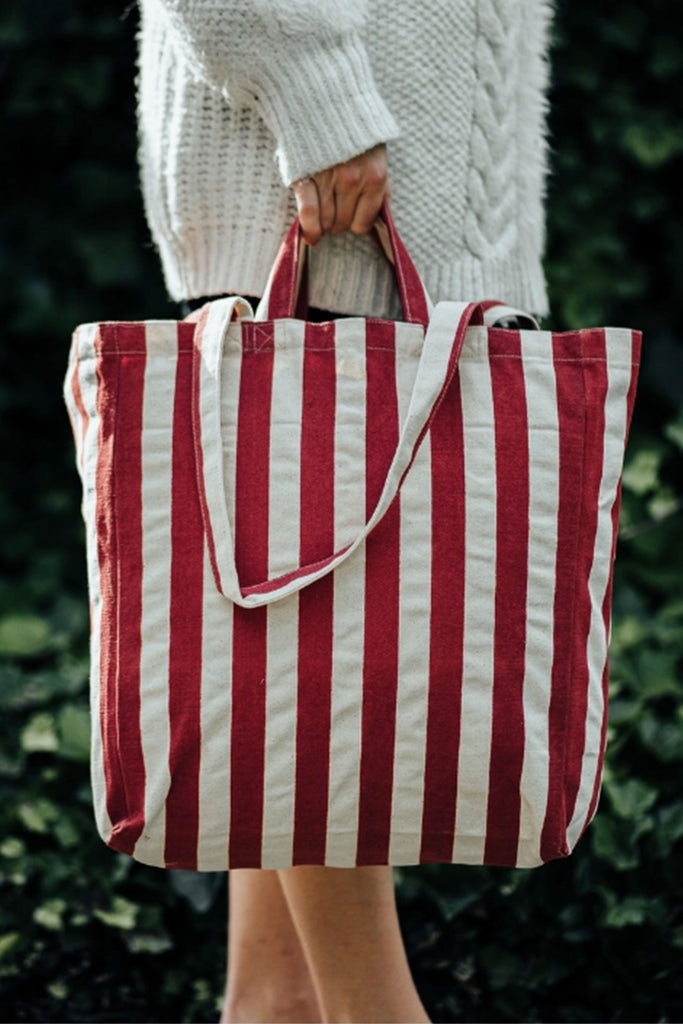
point(86, 935)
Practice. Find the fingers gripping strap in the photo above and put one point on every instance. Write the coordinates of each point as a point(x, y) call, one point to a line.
point(438, 362)
point(279, 299)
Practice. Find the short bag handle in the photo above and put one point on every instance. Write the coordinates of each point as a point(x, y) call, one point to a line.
point(280, 296)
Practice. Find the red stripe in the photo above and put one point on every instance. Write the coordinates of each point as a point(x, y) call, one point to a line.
point(595, 380)
point(382, 558)
point(512, 540)
point(446, 630)
point(281, 301)
point(607, 603)
point(250, 625)
point(119, 528)
point(185, 652)
point(316, 602)
point(579, 465)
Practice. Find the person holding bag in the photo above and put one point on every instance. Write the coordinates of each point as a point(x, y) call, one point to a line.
point(252, 114)
point(245, 107)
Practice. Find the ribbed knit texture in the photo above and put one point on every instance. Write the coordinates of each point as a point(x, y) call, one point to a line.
point(236, 100)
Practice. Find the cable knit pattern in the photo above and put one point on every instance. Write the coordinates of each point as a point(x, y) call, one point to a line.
point(237, 99)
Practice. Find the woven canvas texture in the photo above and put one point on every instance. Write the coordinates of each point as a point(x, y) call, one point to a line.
point(437, 694)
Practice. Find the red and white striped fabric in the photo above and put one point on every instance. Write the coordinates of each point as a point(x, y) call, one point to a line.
point(350, 581)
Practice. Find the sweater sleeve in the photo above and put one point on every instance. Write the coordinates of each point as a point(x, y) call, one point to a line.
point(301, 64)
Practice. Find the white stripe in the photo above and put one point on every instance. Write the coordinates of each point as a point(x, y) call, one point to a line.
point(480, 580)
point(216, 719)
point(156, 457)
point(539, 376)
point(216, 710)
point(280, 742)
point(349, 599)
point(346, 711)
point(413, 652)
point(618, 344)
point(283, 556)
point(285, 447)
point(413, 662)
point(349, 441)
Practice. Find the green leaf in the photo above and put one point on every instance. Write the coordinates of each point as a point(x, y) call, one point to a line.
point(630, 799)
point(664, 739)
point(39, 735)
point(138, 942)
point(616, 841)
point(8, 942)
point(663, 504)
point(674, 430)
point(641, 473)
point(50, 914)
point(12, 848)
point(38, 815)
point(653, 142)
point(73, 726)
point(628, 631)
point(24, 636)
point(631, 911)
point(66, 833)
point(658, 673)
point(58, 990)
point(123, 914)
point(669, 828)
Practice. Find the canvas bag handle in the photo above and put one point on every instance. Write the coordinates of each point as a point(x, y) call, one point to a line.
point(282, 289)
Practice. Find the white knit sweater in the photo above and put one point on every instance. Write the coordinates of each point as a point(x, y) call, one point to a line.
point(237, 99)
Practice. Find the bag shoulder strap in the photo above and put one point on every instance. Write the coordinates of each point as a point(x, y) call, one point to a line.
point(438, 362)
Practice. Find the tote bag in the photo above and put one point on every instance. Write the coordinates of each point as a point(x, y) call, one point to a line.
point(350, 582)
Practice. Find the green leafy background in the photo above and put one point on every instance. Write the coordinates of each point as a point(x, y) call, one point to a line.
point(86, 935)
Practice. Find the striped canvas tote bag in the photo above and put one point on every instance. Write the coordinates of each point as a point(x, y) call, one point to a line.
point(350, 581)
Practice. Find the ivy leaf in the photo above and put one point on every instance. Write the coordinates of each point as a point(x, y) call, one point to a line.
point(663, 739)
point(8, 942)
point(38, 815)
point(674, 430)
point(631, 799)
point(24, 636)
point(616, 842)
point(633, 910)
point(39, 735)
point(144, 942)
point(50, 915)
point(669, 829)
point(73, 728)
point(123, 914)
point(641, 473)
point(653, 143)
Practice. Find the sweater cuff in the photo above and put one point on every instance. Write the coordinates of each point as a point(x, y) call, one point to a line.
point(323, 107)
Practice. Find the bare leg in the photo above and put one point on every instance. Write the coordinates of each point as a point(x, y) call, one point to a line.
point(348, 925)
point(268, 977)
